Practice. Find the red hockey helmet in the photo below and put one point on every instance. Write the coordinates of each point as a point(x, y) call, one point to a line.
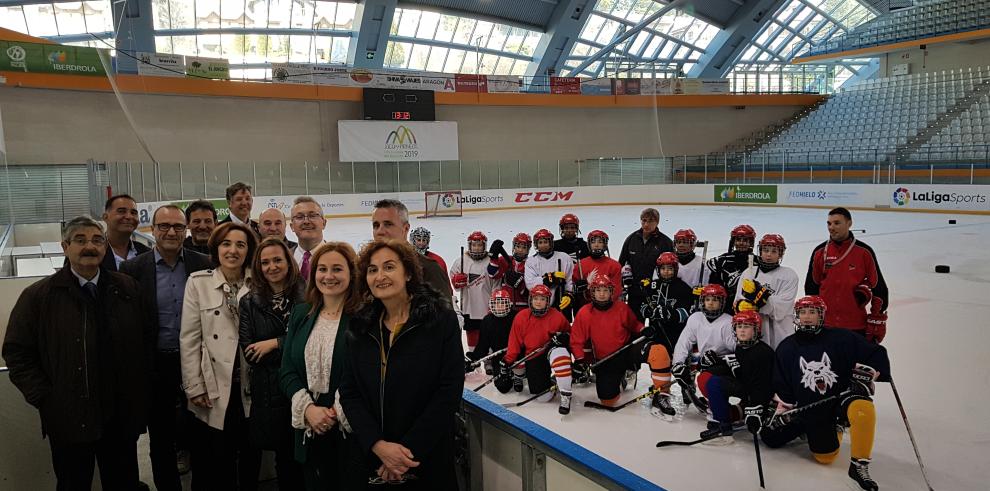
point(539, 291)
point(501, 302)
point(597, 234)
point(668, 259)
point(748, 318)
point(594, 236)
point(743, 232)
point(712, 290)
point(569, 219)
point(775, 240)
point(522, 238)
point(810, 302)
point(686, 235)
point(477, 236)
point(598, 281)
point(543, 234)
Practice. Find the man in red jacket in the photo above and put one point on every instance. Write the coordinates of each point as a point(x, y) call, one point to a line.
point(845, 273)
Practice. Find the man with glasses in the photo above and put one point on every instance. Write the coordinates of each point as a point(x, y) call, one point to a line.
point(162, 274)
point(308, 223)
point(271, 223)
point(201, 217)
point(121, 216)
point(78, 346)
point(639, 257)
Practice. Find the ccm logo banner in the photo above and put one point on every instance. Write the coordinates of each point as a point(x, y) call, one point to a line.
point(543, 196)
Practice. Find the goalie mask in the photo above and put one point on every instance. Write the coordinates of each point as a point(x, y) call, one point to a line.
point(420, 238)
point(501, 302)
point(747, 319)
point(809, 315)
point(716, 292)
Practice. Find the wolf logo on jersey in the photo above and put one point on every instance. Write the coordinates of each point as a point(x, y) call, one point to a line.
point(818, 375)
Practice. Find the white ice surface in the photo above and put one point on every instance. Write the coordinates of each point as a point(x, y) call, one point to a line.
point(938, 339)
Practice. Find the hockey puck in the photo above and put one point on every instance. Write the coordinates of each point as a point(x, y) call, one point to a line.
point(952, 222)
point(941, 268)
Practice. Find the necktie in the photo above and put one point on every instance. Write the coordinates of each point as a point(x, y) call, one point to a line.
point(90, 288)
point(304, 268)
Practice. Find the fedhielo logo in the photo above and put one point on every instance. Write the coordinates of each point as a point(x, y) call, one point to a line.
point(901, 196)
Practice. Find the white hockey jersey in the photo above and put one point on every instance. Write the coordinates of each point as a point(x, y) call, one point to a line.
point(691, 271)
point(475, 296)
point(537, 266)
point(716, 335)
point(778, 313)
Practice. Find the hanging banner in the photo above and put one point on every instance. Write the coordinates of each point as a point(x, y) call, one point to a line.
point(597, 86)
point(464, 82)
point(215, 68)
point(565, 85)
point(292, 73)
point(715, 86)
point(438, 82)
point(503, 84)
point(625, 86)
point(331, 75)
point(394, 141)
point(161, 65)
point(16, 56)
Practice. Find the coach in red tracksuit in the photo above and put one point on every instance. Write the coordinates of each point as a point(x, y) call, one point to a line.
point(844, 271)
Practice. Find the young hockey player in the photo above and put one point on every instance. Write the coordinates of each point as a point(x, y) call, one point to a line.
point(420, 239)
point(553, 269)
point(538, 327)
point(569, 243)
point(494, 329)
point(668, 300)
point(474, 284)
point(818, 363)
point(692, 269)
point(747, 374)
point(608, 326)
point(771, 289)
point(709, 329)
point(514, 276)
point(595, 264)
point(725, 269)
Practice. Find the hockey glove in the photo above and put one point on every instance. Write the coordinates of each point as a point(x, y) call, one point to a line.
point(754, 419)
point(460, 280)
point(756, 293)
point(696, 291)
point(710, 360)
point(780, 417)
point(581, 371)
point(580, 285)
point(513, 277)
point(554, 278)
point(862, 378)
point(503, 381)
point(876, 322)
point(648, 331)
point(744, 305)
point(681, 372)
point(863, 294)
point(627, 277)
point(495, 249)
point(565, 301)
point(560, 338)
point(731, 361)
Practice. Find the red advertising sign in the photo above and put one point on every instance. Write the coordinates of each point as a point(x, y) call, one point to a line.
point(470, 83)
point(543, 196)
point(626, 86)
point(565, 85)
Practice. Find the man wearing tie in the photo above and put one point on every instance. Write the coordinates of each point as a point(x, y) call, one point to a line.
point(308, 223)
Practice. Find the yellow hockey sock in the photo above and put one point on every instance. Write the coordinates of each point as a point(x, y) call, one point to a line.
point(862, 427)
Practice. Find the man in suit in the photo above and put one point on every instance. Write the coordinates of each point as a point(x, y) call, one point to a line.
point(78, 346)
point(271, 223)
point(162, 274)
point(121, 216)
point(240, 200)
point(201, 219)
point(308, 223)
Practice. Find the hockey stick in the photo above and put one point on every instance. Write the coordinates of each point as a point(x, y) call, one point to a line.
point(552, 388)
point(784, 418)
point(704, 256)
point(514, 365)
point(707, 435)
point(616, 352)
point(907, 425)
point(759, 461)
point(612, 409)
point(461, 299)
point(477, 363)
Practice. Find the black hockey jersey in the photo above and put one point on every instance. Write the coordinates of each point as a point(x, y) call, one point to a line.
point(809, 368)
point(675, 294)
point(755, 373)
point(726, 270)
point(577, 248)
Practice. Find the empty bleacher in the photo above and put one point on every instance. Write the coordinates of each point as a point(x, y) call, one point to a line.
point(927, 19)
point(877, 120)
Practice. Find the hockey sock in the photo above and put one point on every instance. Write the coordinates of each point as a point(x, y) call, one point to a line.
point(702, 381)
point(610, 402)
point(718, 400)
point(826, 458)
point(472, 338)
point(659, 362)
point(862, 426)
point(560, 363)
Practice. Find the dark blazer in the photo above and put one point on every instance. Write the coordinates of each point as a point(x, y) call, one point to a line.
point(293, 372)
point(86, 369)
point(253, 222)
point(142, 269)
point(411, 395)
point(269, 420)
point(109, 263)
point(202, 249)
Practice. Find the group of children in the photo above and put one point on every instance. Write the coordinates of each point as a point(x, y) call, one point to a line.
point(723, 330)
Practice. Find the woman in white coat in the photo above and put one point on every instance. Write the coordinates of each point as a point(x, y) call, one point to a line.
point(214, 372)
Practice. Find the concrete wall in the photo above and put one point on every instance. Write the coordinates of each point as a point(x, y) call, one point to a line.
point(937, 57)
point(61, 126)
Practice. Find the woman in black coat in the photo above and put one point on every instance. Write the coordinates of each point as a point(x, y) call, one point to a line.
point(264, 315)
point(403, 376)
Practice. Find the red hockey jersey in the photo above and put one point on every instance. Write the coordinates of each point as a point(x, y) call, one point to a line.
point(608, 330)
point(530, 332)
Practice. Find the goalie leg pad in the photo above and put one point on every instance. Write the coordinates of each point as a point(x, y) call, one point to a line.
point(862, 416)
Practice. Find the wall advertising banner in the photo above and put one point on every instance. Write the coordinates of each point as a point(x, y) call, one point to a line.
point(292, 73)
point(596, 86)
point(438, 82)
point(929, 197)
point(470, 83)
point(503, 84)
point(810, 194)
point(16, 56)
point(565, 85)
point(745, 193)
point(395, 141)
point(715, 86)
point(332, 75)
point(214, 68)
point(161, 65)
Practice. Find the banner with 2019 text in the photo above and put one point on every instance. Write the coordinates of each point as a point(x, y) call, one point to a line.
point(397, 141)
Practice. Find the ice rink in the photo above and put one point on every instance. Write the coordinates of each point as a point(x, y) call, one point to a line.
point(937, 339)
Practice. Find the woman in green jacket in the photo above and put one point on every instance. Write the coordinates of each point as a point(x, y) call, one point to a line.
point(312, 362)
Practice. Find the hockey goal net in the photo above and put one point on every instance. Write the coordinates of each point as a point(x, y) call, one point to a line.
point(443, 204)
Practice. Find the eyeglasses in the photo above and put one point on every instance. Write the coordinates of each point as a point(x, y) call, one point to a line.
point(164, 227)
point(309, 216)
point(82, 241)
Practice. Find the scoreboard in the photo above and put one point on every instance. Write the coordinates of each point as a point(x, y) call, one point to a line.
point(399, 105)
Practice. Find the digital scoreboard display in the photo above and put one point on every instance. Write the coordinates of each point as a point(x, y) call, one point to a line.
point(401, 115)
point(399, 105)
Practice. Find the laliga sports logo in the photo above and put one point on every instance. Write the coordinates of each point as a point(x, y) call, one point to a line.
point(901, 196)
point(401, 136)
point(447, 200)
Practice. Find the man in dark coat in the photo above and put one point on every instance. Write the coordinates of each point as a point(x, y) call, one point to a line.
point(77, 345)
point(639, 257)
point(390, 220)
point(121, 216)
point(162, 274)
point(240, 201)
